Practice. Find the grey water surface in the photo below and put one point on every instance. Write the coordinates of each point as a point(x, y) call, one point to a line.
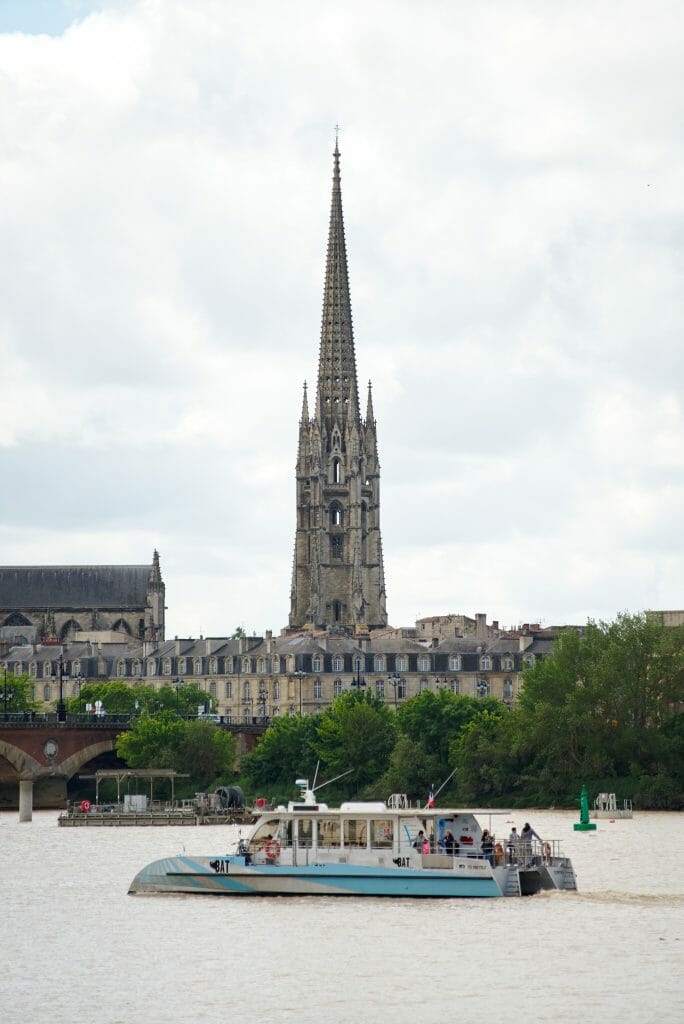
point(77, 948)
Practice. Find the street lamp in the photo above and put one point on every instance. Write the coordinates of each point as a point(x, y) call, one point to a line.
point(61, 706)
point(177, 683)
point(394, 682)
point(358, 682)
point(78, 683)
point(7, 695)
point(300, 675)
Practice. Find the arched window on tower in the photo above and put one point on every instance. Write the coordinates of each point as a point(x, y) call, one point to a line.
point(335, 514)
point(336, 471)
point(337, 610)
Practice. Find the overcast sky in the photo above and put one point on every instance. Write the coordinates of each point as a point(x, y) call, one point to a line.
point(512, 187)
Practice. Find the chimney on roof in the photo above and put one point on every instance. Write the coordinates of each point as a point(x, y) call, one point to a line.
point(495, 624)
point(480, 623)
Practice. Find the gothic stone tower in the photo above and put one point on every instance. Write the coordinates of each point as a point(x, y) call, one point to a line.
point(338, 578)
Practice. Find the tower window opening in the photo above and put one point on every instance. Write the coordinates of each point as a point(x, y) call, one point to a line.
point(336, 471)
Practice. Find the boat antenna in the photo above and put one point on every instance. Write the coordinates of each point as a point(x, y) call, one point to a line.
point(348, 772)
point(448, 779)
point(318, 765)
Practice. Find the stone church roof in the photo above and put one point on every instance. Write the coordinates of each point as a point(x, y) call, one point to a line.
point(38, 587)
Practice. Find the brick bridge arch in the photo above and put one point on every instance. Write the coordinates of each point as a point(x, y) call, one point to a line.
point(43, 755)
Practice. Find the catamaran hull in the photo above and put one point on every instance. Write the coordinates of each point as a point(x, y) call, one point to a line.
point(233, 877)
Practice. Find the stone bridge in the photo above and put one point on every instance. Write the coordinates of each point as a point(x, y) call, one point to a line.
point(38, 756)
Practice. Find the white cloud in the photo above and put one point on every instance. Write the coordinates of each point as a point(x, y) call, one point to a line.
point(514, 223)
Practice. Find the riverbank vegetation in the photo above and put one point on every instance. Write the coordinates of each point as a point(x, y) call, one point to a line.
point(604, 709)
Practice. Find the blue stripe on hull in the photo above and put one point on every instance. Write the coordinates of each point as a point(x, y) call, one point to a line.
point(183, 875)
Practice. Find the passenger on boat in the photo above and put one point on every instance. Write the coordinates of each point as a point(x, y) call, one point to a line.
point(487, 846)
point(449, 843)
point(528, 833)
point(419, 841)
point(512, 846)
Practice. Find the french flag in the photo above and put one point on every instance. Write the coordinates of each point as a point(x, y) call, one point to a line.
point(431, 798)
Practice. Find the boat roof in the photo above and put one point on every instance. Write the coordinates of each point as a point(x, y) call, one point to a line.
point(363, 810)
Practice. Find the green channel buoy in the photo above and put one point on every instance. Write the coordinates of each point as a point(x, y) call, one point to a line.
point(584, 825)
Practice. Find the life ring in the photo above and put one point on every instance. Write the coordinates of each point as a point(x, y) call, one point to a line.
point(272, 849)
point(498, 853)
point(85, 806)
point(547, 853)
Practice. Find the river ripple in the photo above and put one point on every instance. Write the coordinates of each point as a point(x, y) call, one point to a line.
point(76, 948)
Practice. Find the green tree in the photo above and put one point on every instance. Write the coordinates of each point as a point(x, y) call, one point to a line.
point(411, 771)
point(153, 742)
point(436, 719)
point(356, 732)
point(184, 699)
point(16, 693)
point(205, 752)
point(285, 752)
point(118, 698)
point(201, 750)
point(486, 765)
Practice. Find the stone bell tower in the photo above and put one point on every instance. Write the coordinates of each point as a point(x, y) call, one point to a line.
point(338, 578)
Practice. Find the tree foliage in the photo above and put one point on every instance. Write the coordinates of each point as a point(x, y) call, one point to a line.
point(18, 693)
point(356, 734)
point(604, 708)
point(202, 750)
point(285, 753)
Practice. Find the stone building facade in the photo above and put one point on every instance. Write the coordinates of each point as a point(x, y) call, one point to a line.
point(268, 677)
point(338, 577)
point(59, 602)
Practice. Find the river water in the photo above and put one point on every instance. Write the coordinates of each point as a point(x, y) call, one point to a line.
point(76, 948)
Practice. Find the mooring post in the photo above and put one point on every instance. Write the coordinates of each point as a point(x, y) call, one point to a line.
point(25, 800)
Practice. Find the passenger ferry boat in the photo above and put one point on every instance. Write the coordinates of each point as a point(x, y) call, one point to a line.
point(365, 849)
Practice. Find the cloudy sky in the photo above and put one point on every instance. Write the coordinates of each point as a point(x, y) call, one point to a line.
point(512, 185)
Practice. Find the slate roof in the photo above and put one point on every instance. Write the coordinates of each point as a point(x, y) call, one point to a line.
point(39, 587)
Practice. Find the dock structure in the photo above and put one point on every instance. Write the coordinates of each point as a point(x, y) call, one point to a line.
point(605, 806)
point(143, 809)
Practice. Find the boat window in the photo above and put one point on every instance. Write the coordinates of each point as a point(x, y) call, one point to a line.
point(328, 832)
point(381, 833)
point(266, 830)
point(355, 830)
point(304, 832)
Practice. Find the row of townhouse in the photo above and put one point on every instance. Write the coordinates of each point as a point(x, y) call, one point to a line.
point(251, 678)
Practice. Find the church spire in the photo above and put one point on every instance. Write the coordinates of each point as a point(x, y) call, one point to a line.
point(337, 573)
point(337, 389)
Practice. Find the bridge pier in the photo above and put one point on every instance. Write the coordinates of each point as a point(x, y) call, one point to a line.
point(25, 800)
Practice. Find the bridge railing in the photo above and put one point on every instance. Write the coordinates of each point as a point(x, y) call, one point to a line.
point(39, 720)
